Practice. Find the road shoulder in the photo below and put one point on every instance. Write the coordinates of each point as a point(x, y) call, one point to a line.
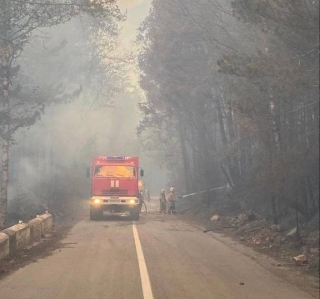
point(286, 271)
point(42, 249)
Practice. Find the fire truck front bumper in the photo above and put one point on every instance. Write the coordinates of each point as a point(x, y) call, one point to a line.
point(114, 203)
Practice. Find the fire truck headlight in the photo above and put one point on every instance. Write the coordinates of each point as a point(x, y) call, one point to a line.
point(97, 201)
point(132, 201)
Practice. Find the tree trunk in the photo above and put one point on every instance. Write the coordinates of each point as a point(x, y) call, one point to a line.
point(298, 226)
point(5, 150)
point(231, 178)
point(221, 123)
point(186, 164)
point(274, 210)
point(304, 195)
point(273, 198)
point(232, 136)
point(311, 195)
point(7, 52)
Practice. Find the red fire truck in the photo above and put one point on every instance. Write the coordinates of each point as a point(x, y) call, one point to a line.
point(115, 186)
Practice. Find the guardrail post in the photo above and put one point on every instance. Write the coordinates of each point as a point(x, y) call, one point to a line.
point(4, 246)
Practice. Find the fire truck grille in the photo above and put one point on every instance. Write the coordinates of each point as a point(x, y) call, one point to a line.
point(114, 192)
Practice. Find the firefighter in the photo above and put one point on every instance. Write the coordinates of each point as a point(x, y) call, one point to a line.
point(172, 202)
point(163, 201)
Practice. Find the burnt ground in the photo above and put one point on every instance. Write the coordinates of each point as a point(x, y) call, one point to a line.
point(263, 238)
point(278, 261)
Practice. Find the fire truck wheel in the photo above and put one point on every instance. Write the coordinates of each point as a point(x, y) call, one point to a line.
point(95, 214)
point(134, 215)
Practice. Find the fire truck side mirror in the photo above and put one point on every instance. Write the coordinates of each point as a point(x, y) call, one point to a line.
point(141, 173)
point(88, 173)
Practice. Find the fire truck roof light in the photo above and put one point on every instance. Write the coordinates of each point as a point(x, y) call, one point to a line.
point(116, 158)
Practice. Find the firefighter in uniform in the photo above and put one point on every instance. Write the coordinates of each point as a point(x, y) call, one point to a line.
point(172, 202)
point(163, 202)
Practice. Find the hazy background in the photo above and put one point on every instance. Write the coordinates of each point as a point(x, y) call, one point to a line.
point(49, 160)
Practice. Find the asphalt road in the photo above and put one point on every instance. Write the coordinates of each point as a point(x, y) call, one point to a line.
point(160, 257)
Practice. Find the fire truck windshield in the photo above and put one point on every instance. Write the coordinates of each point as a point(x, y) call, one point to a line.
point(114, 171)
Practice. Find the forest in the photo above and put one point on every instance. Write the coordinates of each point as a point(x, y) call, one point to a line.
point(60, 71)
point(229, 95)
point(232, 91)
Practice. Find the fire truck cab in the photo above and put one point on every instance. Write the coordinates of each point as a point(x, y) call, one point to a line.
point(115, 186)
